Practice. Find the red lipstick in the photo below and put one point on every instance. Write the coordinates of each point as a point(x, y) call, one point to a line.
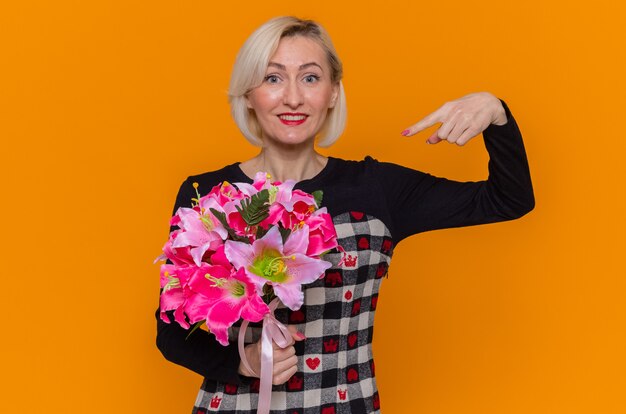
point(292, 118)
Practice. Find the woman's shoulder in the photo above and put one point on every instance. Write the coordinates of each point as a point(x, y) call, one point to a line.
point(366, 161)
point(369, 164)
point(230, 173)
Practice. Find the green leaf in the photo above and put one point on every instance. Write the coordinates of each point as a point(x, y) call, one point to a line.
point(284, 232)
point(255, 209)
point(192, 330)
point(260, 232)
point(326, 252)
point(222, 218)
point(317, 196)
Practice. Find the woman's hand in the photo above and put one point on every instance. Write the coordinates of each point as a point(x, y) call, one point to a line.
point(462, 119)
point(285, 360)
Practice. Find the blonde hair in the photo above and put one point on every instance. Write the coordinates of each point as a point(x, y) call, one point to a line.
point(251, 64)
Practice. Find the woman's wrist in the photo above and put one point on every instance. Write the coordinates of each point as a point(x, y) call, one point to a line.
point(500, 117)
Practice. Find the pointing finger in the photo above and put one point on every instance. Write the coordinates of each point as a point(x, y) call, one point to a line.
point(427, 121)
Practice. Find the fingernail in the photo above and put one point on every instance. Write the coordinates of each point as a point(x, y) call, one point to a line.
point(428, 142)
point(405, 132)
point(301, 335)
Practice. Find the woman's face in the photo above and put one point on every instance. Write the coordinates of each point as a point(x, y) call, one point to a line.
point(292, 102)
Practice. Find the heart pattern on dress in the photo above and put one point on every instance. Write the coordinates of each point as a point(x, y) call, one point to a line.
point(357, 214)
point(313, 363)
point(363, 243)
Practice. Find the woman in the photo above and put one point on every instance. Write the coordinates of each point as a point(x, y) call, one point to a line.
point(285, 92)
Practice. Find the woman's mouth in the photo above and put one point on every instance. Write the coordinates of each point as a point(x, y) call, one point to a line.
point(292, 119)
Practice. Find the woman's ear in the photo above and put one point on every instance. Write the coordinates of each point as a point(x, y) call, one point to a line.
point(334, 95)
point(247, 98)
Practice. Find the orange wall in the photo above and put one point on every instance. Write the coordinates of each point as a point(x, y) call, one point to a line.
point(106, 106)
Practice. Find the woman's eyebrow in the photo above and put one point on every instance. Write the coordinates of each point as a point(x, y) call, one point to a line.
point(303, 66)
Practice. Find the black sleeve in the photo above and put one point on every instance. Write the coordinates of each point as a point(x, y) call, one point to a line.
point(419, 202)
point(200, 352)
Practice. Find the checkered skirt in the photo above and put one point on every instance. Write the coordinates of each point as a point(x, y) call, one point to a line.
point(335, 364)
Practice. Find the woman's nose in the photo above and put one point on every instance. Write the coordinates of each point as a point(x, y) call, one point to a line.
point(293, 96)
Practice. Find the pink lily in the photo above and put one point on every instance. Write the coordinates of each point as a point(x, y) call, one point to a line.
point(222, 297)
point(173, 279)
point(178, 296)
point(303, 206)
point(280, 192)
point(286, 268)
point(234, 219)
point(201, 231)
point(224, 199)
point(180, 256)
point(322, 233)
point(259, 183)
point(223, 193)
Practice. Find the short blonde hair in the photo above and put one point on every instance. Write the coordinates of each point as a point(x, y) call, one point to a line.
point(251, 64)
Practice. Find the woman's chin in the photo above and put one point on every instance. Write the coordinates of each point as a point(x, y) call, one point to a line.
point(289, 142)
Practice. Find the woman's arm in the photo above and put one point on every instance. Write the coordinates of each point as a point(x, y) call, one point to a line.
point(420, 202)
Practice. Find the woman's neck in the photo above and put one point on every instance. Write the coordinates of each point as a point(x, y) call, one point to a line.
point(283, 165)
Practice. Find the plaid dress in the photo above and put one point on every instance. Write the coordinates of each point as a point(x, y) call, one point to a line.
point(335, 364)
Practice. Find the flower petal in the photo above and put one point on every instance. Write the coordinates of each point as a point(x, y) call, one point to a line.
point(254, 309)
point(304, 269)
point(238, 253)
point(197, 307)
point(222, 316)
point(198, 252)
point(290, 294)
point(179, 317)
point(247, 189)
point(198, 283)
point(219, 258)
point(297, 242)
point(171, 299)
point(272, 240)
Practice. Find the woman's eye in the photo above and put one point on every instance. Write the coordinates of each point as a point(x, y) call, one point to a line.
point(271, 79)
point(311, 78)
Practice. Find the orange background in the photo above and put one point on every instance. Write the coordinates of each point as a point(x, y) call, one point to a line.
point(106, 106)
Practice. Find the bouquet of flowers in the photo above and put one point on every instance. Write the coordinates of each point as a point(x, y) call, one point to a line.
point(239, 247)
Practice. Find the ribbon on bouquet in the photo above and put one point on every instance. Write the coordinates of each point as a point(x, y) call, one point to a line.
point(273, 330)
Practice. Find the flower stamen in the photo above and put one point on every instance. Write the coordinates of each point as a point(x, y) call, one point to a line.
point(272, 268)
point(226, 184)
point(237, 289)
point(273, 190)
point(172, 282)
point(217, 281)
point(277, 265)
point(207, 222)
point(197, 199)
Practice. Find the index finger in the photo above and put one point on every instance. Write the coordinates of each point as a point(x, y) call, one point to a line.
point(428, 121)
point(295, 334)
